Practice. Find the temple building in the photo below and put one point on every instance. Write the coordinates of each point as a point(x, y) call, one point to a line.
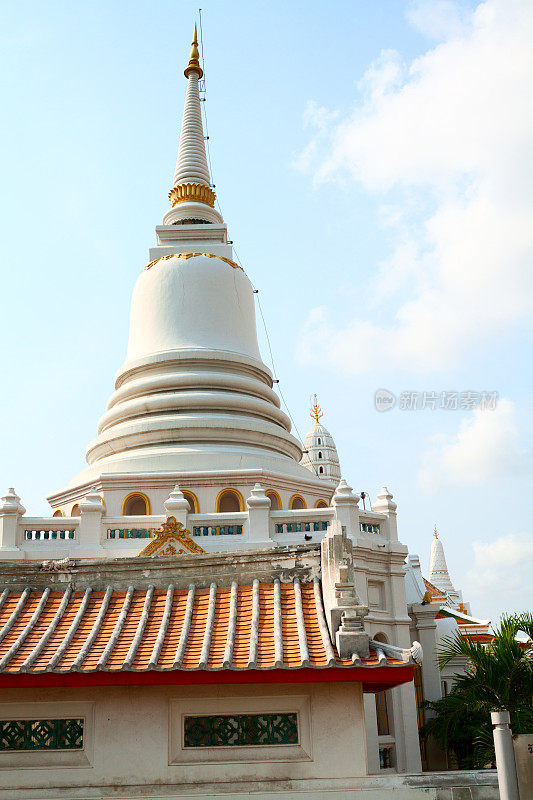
point(207, 611)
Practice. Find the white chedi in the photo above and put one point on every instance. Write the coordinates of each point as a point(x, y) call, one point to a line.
point(320, 453)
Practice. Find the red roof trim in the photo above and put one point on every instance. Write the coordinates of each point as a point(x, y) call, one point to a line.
point(373, 680)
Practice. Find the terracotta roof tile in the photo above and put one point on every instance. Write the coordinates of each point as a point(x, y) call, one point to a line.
point(263, 626)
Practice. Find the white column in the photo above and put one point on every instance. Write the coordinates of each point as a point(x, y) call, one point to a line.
point(505, 763)
point(177, 506)
point(386, 505)
point(346, 509)
point(406, 739)
point(90, 528)
point(10, 512)
point(258, 505)
point(371, 727)
point(426, 634)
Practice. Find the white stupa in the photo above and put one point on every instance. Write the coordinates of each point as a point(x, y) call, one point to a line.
point(193, 397)
point(439, 575)
point(320, 452)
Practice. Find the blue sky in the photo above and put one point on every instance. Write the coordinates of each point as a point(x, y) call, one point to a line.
point(373, 162)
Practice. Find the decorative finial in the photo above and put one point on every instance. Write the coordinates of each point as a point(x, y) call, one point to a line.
point(194, 59)
point(435, 533)
point(316, 411)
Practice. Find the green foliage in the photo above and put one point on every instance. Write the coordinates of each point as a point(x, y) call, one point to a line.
point(498, 676)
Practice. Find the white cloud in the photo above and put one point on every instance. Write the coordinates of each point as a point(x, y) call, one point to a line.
point(486, 446)
point(504, 566)
point(452, 134)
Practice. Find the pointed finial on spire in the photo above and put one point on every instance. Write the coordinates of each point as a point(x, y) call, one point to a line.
point(194, 58)
point(316, 411)
point(436, 535)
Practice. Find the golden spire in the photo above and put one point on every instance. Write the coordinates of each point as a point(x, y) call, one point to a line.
point(316, 411)
point(436, 535)
point(194, 59)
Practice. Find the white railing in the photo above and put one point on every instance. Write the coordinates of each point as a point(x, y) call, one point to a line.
point(131, 527)
point(48, 529)
point(117, 534)
point(371, 522)
point(234, 524)
point(302, 520)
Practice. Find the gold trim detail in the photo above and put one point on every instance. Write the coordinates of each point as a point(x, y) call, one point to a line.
point(194, 59)
point(192, 192)
point(194, 255)
point(171, 539)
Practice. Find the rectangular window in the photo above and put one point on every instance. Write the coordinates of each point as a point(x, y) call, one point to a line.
point(41, 734)
point(241, 730)
point(382, 714)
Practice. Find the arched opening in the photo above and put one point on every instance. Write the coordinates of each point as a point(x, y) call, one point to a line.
point(194, 506)
point(75, 511)
point(320, 454)
point(380, 637)
point(296, 502)
point(136, 505)
point(321, 504)
point(229, 501)
point(275, 500)
point(58, 513)
point(321, 470)
point(319, 441)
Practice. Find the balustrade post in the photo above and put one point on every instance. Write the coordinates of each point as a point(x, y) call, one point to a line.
point(258, 505)
point(10, 512)
point(346, 509)
point(386, 505)
point(177, 506)
point(90, 527)
point(505, 760)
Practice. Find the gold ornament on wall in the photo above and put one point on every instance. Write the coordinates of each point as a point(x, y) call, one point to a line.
point(194, 255)
point(171, 539)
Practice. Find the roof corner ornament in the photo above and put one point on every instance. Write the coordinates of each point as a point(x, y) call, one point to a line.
point(171, 539)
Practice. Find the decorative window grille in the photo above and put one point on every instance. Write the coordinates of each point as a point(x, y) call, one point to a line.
point(367, 527)
point(41, 734)
point(241, 730)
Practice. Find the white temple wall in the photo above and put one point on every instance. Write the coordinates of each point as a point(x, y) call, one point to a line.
point(133, 735)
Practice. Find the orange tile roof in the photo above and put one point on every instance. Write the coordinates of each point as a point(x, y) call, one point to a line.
point(261, 626)
point(436, 594)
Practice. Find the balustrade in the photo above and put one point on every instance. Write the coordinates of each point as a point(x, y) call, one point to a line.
point(38, 535)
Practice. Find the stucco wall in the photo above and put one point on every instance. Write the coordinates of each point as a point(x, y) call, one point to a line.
point(131, 735)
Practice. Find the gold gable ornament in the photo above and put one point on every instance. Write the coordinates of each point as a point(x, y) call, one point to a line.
point(171, 539)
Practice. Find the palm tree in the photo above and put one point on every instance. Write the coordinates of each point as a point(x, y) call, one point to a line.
point(498, 677)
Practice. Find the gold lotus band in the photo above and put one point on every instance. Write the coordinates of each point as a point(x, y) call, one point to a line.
point(194, 255)
point(192, 192)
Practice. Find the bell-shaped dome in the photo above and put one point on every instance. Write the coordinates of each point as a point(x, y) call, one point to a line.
point(319, 451)
point(194, 386)
point(192, 301)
